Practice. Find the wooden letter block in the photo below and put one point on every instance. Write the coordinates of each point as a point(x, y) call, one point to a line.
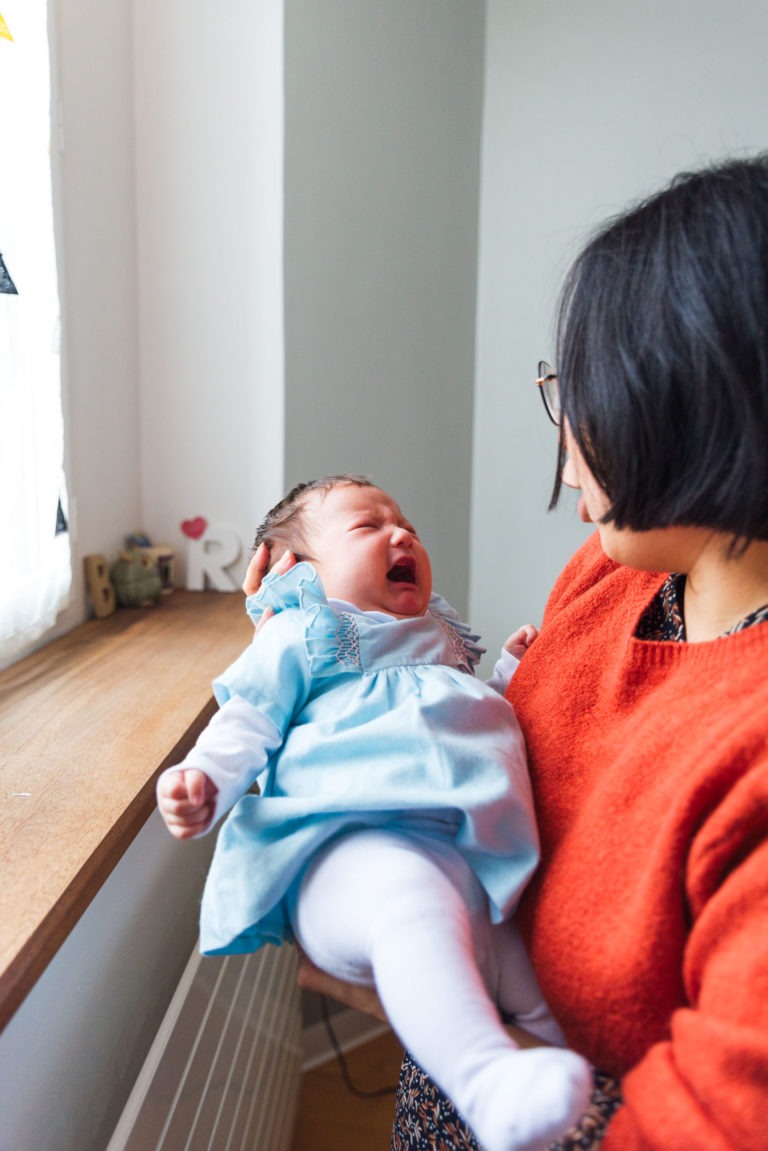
point(100, 585)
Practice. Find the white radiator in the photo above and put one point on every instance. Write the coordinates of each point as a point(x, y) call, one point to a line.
point(223, 1072)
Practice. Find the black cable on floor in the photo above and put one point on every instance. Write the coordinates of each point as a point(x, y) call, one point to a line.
point(342, 1062)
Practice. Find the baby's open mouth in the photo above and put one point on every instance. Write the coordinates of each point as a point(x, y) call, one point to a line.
point(403, 572)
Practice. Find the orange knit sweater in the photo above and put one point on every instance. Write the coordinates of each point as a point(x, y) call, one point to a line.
point(648, 918)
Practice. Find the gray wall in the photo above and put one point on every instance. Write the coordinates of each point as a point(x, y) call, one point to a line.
point(587, 106)
point(383, 110)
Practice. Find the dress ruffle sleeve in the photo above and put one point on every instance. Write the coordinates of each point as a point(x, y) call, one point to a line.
point(299, 587)
point(468, 639)
point(331, 639)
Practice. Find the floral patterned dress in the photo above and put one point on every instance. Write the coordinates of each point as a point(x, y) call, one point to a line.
point(425, 1119)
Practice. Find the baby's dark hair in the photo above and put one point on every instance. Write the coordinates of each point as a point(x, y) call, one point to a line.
point(285, 527)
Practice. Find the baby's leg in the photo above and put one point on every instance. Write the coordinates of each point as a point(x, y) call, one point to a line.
point(515, 987)
point(379, 907)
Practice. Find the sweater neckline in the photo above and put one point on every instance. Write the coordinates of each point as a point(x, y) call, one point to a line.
point(663, 621)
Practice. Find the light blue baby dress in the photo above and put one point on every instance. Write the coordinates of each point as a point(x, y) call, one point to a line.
point(383, 725)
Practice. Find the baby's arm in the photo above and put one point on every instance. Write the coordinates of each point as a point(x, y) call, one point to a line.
point(227, 758)
point(258, 696)
point(513, 651)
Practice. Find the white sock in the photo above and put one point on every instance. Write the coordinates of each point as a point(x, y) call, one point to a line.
point(524, 1100)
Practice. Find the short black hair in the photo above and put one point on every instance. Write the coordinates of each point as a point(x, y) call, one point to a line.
point(285, 526)
point(662, 344)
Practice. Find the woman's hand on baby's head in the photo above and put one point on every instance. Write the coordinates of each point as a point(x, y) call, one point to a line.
point(518, 643)
point(254, 576)
point(259, 566)
point(257, 569)
point(186, 801)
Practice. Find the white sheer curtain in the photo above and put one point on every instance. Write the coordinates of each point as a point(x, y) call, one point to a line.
point(35, 563)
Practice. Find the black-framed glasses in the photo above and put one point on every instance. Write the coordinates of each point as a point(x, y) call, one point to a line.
point(550, 393)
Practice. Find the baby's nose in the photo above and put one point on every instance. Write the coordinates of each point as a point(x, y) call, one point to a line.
point(401, 535)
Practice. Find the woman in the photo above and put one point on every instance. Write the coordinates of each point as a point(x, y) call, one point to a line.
point(644, 701)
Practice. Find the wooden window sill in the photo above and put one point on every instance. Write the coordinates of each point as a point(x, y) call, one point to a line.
point(86, 725)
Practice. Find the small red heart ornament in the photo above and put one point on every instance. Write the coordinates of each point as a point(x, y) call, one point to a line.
point(194, 528)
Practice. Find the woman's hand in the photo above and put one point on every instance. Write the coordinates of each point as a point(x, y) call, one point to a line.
point(363, 999)
point(257, 569)
point(259, 566)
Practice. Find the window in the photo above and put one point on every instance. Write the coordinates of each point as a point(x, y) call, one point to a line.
point(35, 562)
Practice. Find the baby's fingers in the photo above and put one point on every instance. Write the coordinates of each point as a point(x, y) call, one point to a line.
point(184, 819)
point(171, 787)
point(186, 801)
point(522, 638)
point(186, 825)
point(195, 782)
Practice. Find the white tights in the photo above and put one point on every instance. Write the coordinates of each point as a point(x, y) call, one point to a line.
point(407, 915)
